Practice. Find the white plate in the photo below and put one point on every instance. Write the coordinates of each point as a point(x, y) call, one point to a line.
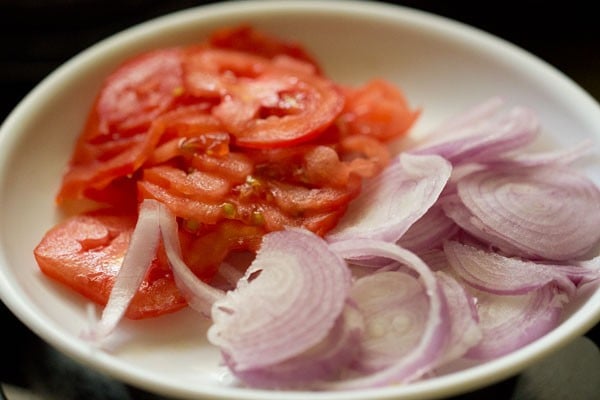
point(441, 65)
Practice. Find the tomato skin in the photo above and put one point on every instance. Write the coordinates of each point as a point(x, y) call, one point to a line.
point(85, 253)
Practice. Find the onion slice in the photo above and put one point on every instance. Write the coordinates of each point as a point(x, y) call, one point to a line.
point(288, 300)
point(511, 322)
point(429, 232)
point(484, 133)
point(539, 213)
point(422, 358)
point(140, 254)
point(392, 201)
point(564, 156)
point(322, 362)
point(199, 295)
point(494, 273)
point(395, 307)
point(465, 332)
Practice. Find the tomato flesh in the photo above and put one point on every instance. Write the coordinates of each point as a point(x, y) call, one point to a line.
point(85, 253)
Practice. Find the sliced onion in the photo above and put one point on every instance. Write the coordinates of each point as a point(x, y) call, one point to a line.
point(287, 302)
point(511, 322)
point(564, 156)
point(391, 202)
point(494, 273)
point(547, 213)
point(199, 295)
point(422, 358)
point(464, 332)
point(140, 254)
point(395, 307)
point(429, 232)
point(322, 362)
point(484, 133)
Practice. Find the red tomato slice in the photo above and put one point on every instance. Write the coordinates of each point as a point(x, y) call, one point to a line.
point(139, 91)
point(85, 252)
point(181, 206)
point(120, 132)
point(197, 185)
point(377, 109)
point(95, 166)
point(205, 251)
point(279, 109)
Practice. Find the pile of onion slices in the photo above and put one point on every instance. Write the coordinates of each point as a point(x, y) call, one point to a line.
point(466, 247)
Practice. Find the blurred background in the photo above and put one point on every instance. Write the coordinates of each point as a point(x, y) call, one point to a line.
point(36, 36)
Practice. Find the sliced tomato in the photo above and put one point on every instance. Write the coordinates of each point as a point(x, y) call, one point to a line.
point(237, 136)
point(205, 251)
point(181, 206)
point(139, 91)
point(197, 185)
point(279, 109)
point(85, 253)
point(377, 109)
point(235, 166)
point(274, 219)
point(121, 129)
point(95, 166)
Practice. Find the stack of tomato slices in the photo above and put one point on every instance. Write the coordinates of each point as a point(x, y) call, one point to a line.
point(239, 135)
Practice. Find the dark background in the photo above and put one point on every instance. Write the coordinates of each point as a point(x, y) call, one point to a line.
point(38, 36)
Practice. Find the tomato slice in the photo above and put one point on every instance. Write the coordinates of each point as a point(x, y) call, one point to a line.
point(85, 252)
point(197, 185)
point(279, 109)
point(139, 91)
point(182, 206)
point(121, 130)
point(377, 109)
point(94, 166)
point(204, 251)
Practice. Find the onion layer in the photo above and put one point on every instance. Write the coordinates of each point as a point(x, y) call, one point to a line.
point(484, 133)
point(287, 302)
point(139, 256)
point(539, 213)
point(391, 202)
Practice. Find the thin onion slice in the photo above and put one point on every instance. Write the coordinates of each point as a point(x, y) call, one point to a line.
point(422, 358)
point(484, 133)
point(322, 362)
point(564, 156)
point(287, 302)
point(395, 308)
point(538, 213)
point(429, 232)
point(391, 202)
point(465, 332)
point(494, 273)
point(199, 295)
point(510, 322)
point(140, 254)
